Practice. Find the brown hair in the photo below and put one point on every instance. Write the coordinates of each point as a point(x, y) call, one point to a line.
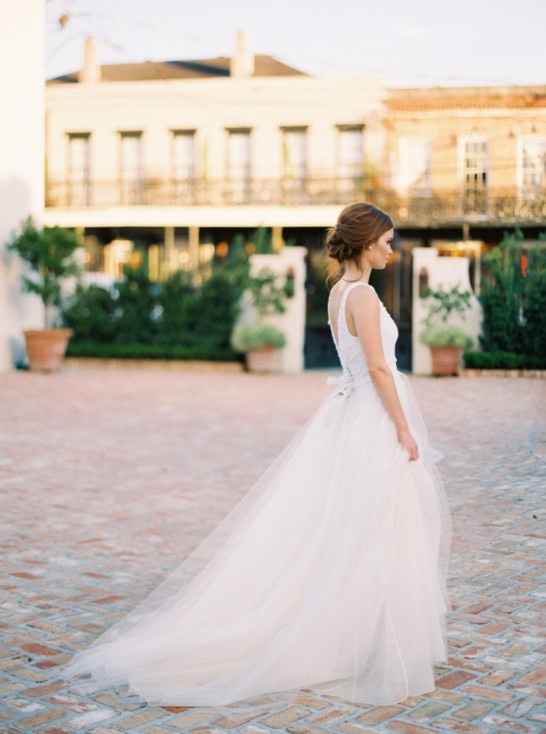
point(358, 226)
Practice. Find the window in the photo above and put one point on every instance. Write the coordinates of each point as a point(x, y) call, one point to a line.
point(238, 165)
point(474, 161)
point(131, 168)
point(78, 184)
point(350, 158)
point(293, 163)
point(183, 164)
point(413, 175)
point(531, 167)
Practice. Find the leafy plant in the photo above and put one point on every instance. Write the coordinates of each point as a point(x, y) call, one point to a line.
point(137, 297)
point(266, 295)
point(533, 311)
point(446, 336)
point(263, 241)
point(502, 296)
point(90, 313)
point(212, 312)
point(445, 302)
point(248, 338)
point(174, 297)
point(50, 254)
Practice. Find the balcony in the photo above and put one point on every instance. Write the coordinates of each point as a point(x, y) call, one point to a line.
point(420, 209)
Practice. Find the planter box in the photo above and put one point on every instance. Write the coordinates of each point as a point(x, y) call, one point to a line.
point(46, 348)
point(179, 365)
point(445, 360)
point(471, 372)
point(267, 359)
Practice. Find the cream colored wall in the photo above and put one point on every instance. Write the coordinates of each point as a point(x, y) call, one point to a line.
point(21, 161)
point(443, 272)
point(196, 216)
point(292, 321)
point(210, 106)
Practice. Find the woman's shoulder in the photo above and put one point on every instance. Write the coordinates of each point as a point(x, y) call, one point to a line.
point(368, 288)
point(363, 296)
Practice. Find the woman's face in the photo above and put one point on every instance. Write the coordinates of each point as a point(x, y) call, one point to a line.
point(380, 252)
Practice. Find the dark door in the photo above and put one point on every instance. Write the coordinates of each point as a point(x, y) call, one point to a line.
point(394, 287)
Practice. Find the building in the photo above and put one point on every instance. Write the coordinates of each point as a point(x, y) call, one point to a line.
point(174, 158)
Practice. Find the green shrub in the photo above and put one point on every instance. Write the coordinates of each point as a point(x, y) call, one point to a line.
point(513, 298)
point(148, 351)
point(248, 338)
point(138, 317)
point(446, 336)
point(137, 297)
point(165, 315)
point(175, 295)
point(90, 313)
point(212, 312)
point(534, 303)
point(502, 360)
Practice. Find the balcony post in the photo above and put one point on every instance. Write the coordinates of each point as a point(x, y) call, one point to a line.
point(193, 237)
point(277, 239)
point(169, 250)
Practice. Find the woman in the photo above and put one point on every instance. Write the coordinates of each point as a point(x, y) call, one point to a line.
point(330, 573)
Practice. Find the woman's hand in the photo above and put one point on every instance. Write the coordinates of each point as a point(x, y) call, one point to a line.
point(407, 442)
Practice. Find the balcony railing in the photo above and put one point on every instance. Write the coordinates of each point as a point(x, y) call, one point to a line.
point(422, 208)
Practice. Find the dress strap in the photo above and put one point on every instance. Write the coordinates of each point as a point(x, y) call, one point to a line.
point(343, 299)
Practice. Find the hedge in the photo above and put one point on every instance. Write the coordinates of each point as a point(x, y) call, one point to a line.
point(149, 351)
point(503, 360)
point(169, 320)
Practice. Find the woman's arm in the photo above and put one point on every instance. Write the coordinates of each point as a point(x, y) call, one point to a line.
point(364, 307)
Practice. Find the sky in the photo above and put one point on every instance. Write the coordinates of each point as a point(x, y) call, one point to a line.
point(424, 43)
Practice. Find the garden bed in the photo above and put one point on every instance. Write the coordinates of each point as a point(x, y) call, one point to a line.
point(181, 365)
point(472, 372)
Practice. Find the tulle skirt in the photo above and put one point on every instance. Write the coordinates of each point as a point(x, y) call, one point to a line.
point(329, 574)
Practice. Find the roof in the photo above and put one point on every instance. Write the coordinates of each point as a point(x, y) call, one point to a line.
point(264, 65)
point(434, 98)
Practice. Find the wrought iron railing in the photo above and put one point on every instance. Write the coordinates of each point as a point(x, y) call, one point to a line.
point(421, 208)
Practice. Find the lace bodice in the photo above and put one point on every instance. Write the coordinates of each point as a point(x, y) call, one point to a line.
point(348, 347)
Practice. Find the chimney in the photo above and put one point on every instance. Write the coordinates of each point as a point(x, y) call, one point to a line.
point(242, 62)
point(90, 71)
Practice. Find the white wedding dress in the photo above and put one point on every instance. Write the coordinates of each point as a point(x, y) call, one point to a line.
point(329, 574)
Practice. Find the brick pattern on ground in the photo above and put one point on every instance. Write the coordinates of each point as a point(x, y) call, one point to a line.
point(109, 478)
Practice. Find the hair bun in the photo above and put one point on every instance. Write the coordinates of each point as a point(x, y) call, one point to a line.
point(335, 246)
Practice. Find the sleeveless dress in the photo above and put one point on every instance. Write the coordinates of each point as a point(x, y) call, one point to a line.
point(329, 574)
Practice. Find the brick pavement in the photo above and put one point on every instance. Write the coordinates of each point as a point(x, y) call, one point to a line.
point(108, 479)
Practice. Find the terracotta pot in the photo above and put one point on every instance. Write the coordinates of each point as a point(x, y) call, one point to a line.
point(46, 348)
point(266, 359)
point(445, 360)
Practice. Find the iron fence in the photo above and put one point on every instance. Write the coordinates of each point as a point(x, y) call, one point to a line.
point(416, 209)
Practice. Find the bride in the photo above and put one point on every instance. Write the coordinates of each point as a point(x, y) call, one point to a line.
point(330, 573)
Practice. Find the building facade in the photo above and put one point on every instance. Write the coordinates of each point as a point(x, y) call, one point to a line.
point(174, 158)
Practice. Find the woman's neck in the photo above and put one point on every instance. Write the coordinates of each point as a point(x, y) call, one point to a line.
point(354, 274)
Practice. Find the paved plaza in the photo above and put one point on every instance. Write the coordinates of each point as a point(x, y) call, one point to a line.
point(108, 478)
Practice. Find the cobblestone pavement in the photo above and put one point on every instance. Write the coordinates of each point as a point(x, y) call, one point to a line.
point(109, 478)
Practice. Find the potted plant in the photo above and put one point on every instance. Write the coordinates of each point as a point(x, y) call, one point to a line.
point(446, 345)
point(261, 344)
point(446, 342)
point(50, 255)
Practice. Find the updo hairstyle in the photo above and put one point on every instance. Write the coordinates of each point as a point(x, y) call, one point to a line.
point(358, 226)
